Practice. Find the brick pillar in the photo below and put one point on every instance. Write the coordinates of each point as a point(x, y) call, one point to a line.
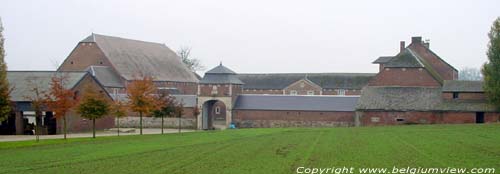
point(19, 123)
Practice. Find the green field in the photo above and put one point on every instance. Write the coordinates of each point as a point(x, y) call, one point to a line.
point(261, 150)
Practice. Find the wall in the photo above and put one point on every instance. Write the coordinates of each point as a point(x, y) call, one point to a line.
point(404, 77)
point(152, 122)
point(390, 118)
point(183, 87)
point(267, 118)
point(465, 96)
point(84, 55)
point(445, 70)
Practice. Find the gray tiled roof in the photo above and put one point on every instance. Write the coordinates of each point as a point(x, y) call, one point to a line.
point(220, 74)
point(23, 82)
point(106, 76)
point(462, 86)
point(131, 58)
point(296, 103)
point(325, 80)
point(415, 99)
point(383, 59)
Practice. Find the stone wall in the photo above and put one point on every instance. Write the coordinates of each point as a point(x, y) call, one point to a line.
point(152, 122)
point(266, 119)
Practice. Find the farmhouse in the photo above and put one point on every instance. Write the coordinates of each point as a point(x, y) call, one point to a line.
point(415, 86)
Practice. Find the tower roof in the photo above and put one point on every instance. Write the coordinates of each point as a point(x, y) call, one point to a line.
point(221, 75)
point(221, 69)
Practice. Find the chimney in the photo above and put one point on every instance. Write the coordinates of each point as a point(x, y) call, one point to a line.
point(427, 43)
point(416, 39)
point(402, 46)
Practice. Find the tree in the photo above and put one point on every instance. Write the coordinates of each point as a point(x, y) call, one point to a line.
point(179, 110)
point(472, 74)
point(491, 69)
point(5, 107)
point(93, 106)
point(141, 95)
point(36, 97)
point(166, 109)
point(196, 112)
point(118, 109)
point(59, 99)
point(192, 63)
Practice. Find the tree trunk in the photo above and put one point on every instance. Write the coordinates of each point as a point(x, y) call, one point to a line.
point(140, 122)
point(179, 123)
point(93, 128)
point(64, 126)
point(162, 125)
point(118, 125)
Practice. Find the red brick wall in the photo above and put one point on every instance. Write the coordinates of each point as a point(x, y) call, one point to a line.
point(84, 55)
point(183, 87)
point(404, 77)
point(263, 91)
point(267, 118)
point(465, 96)
point(390, 118)
point(446, 71)
point(347, 92)
point(206, 90)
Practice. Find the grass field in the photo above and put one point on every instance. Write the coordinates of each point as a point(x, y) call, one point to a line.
point(261, 150)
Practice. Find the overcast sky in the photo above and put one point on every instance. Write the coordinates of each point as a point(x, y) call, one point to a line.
point(254, 36)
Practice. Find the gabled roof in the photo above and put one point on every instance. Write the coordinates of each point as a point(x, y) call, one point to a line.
point(296, 103)
point(405, 59)
point(106, 76)
point(383, 59)
point(462, 86)
point(133, 58)
point(220, 75)
point(324, 80)
point(23, 82)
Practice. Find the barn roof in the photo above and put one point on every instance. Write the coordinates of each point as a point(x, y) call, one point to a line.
point(405, 59)
point(23, 82)
point(383, 59)
point(415, 99)
point(296, 102)
point(106, 76)
point(462, 86)
point(132, 58)
point(325, 80)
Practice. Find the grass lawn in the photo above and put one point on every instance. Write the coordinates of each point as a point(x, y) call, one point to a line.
point(261, 150)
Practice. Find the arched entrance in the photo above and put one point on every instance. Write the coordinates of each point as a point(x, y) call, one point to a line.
point(213, 115)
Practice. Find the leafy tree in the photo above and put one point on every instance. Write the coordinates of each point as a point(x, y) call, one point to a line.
point(141, 95)
point(36, 97)
point(5, 107)
point(93, 106)
point(192, 63)
point(60, 99)
point(167, 108)
point(491, 69)
point(118, 109)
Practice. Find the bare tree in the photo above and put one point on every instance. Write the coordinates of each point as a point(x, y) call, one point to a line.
point(192, 63)
point(469, 73)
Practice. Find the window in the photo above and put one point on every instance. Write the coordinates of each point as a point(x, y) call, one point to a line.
point(310, 92)
point(341, 92)
point(214, 90)
point(217, 110)
point(302, 84)
point(71, 62)
point(400, 119)
point(375, 119)
point(293, 92)
point(455, 95)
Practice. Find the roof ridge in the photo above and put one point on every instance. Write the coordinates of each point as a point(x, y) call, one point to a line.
point(117, 37)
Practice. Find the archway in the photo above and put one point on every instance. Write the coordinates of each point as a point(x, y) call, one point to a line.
point(213, 115)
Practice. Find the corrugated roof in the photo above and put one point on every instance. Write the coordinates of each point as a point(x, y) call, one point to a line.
point(325, 80)
point(383, 59)
point(133, 58)
point(296, 103)
point(23, 82)
point(106, 76)
point(415, 99)
point(462, 86)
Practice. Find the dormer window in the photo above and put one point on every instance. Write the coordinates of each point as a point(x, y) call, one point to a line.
point(455, 95)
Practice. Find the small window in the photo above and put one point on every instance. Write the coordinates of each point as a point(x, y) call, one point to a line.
point(310, 92)
point(341, 92)
point(293, 92)
point(100, 62)
point(71, 62)
point(217, 110)
point(400, 119)
point(375, 119)
point(455, 95)
point(302, 84)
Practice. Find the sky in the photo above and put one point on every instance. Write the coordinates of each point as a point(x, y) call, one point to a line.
point(253, 36)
